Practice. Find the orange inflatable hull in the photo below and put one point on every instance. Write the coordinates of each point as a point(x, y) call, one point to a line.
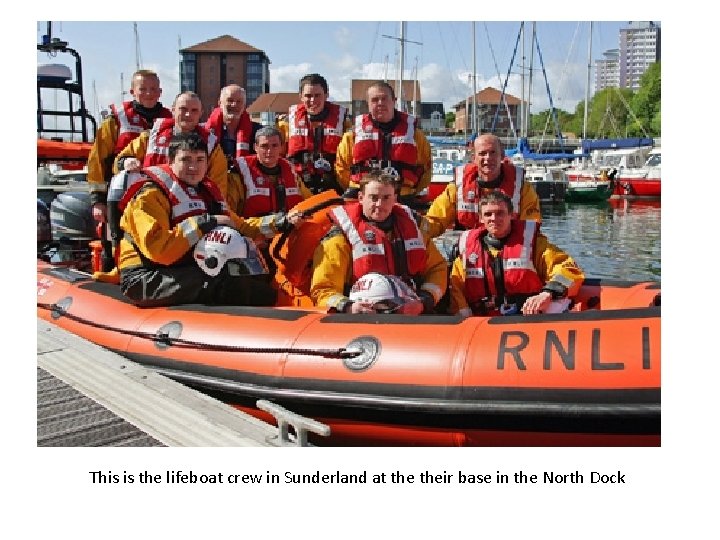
point(589, 377)
point(72, 154)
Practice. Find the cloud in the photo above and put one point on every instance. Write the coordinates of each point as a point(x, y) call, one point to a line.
point(343, 37)
point(285, 78)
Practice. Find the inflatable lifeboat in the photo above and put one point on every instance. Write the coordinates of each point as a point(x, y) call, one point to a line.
point(588, 377)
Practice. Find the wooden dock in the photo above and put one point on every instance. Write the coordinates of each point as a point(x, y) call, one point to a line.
point(89, 396)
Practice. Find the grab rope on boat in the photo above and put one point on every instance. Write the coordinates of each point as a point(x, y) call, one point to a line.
point(167, 340)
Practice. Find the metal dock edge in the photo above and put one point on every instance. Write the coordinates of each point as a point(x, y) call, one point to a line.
point(124, 404)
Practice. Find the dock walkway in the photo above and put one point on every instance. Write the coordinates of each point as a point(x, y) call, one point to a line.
point(90, 396)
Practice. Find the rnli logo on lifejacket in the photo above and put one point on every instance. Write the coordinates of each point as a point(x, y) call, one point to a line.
point(162, 139)
point(219, 237)
point(191, 191)
point(368, 128)
point(471, 195)
point(473, 258)
point(260, 181)
point(369, 236)
point(301, 123)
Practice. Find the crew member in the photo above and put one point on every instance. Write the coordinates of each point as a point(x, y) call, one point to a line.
point(457, 206)
point(164, 215)
point(313, 131)
point(375, 234)
point(384, 138)
point(152, 148)
point(231, 124)
point(122, 125)
point(507, 266)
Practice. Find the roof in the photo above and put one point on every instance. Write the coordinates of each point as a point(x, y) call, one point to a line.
point(630, 142)
point(278, 102)
point(359, 89)
point(224, 44)
point(490, 96)
point(428, 108)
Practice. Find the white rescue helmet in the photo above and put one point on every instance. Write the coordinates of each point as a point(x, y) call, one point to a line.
point(385, 293)
point(225, 246)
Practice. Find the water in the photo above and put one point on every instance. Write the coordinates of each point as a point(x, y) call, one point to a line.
point(619, 239)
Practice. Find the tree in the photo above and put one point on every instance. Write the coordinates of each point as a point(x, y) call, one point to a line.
point(607, 113)
point(645, 104)
point(449, 119)
point(543, 122)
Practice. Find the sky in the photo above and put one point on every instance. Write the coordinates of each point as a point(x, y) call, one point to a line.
point(441, 53)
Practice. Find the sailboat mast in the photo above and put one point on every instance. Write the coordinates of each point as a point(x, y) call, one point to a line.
point(415, 88)
point(530, 77)
point(402, 66)
point(587, 84)
point(523, 128)
point(474, 107)
point(138, 58)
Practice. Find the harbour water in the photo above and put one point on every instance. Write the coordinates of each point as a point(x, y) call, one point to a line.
point(618, 239)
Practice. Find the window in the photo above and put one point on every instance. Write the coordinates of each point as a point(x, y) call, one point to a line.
point(187, 72)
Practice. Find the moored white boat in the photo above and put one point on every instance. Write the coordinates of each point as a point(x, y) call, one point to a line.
point(641, 181)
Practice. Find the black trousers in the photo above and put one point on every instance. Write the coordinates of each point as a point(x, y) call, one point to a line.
point(169, 286)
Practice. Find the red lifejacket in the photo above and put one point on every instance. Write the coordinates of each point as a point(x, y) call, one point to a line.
point(371, 247)
point(185, 201)
point(243, 135)
point(260, 194)
point(469, 194)
point(403, 156)
point(130, 123)
point(301, 135)
point(159, 141)
point(517, 254)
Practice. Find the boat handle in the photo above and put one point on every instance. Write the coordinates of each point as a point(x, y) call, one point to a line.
point(301, 425)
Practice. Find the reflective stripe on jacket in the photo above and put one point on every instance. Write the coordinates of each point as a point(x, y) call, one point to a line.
point(371, 248)
point(130, 123)
point(159, 141)
point(368, 146)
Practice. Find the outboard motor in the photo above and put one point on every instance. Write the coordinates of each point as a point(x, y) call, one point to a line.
point(72, 227)
point(43, 223)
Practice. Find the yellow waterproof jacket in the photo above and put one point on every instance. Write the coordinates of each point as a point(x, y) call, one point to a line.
point(550, 263)
point(99, 167)
point(284, 128)
point(147, 219)
point(344, 161)
point(443, 211)
point(217, 162)
point(333, 265)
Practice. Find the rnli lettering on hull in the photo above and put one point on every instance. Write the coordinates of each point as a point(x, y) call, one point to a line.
point(514, 345)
